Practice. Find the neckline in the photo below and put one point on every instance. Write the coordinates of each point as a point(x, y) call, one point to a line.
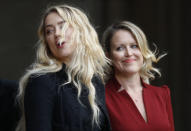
point(136, 108)
point(117, 88)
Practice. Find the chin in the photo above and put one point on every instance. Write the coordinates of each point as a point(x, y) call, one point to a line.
point(131, 71)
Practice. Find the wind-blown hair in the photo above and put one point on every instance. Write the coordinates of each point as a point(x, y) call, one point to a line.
point(88, 59)
point(147, 71)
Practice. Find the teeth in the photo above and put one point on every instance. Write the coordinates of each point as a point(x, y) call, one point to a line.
point(59, 43)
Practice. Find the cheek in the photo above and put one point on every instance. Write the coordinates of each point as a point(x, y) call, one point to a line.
point(115, 56)
point(69, 32)
point(50, 42)
point(47, 39)
point(50, 45)
point(139, 55)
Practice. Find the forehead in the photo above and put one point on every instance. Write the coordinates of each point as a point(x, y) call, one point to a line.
point(122, 36)
point(52, 19)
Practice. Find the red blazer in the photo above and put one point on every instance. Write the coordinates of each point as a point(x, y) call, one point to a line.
point(124, 115)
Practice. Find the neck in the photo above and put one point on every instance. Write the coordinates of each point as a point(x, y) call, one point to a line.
point(65, 61)
point(129, 82)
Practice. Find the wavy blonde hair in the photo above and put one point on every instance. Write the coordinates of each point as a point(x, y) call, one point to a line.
point(147, 71)
point(88, 60)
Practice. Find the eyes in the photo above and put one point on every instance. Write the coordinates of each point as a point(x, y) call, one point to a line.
point(123, 47)
point(51, 29)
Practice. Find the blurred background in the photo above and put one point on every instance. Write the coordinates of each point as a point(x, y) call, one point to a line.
point(167, 23)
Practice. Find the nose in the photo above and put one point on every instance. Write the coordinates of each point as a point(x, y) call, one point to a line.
point(57, 32)
point(128, 51)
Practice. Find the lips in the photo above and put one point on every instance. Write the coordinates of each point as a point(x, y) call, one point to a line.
point(60, 44)
point(129, 60)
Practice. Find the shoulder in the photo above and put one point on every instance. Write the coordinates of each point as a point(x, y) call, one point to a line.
point(99, 87)
point(41, 77)
point(48, 78)
point(108, 84)
point(112, 85)
point(41, 83)
point(97, 79)
point(97, 82)
point(158, 90)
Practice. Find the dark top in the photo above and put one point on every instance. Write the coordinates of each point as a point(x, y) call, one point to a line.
point(52, 107)
point(124, 115)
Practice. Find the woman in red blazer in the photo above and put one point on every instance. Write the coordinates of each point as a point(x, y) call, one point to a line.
point(133, 104)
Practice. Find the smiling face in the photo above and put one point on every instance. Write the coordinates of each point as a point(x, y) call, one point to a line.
point(125, 53)
point(61, 49)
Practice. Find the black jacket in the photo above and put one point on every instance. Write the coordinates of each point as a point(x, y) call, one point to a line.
point(52, 107)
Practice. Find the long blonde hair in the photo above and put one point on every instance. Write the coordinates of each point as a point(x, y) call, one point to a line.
point(147, 71)
point(88, 60)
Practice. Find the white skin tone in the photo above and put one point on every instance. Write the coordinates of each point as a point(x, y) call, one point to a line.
point(63, 50)
point(127, 61)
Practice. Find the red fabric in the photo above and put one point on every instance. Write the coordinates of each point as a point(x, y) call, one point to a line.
point(124, 115)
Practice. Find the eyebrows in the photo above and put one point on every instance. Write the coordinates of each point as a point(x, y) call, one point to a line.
point(52, 25)
point(124, 43)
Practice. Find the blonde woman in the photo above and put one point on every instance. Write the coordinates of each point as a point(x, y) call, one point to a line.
point(63, 89)
point(133, 104)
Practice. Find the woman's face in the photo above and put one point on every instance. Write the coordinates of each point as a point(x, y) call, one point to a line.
point(125, 53)
point(61, 50)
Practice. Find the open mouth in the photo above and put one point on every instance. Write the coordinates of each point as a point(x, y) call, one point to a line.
point(60, 44)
